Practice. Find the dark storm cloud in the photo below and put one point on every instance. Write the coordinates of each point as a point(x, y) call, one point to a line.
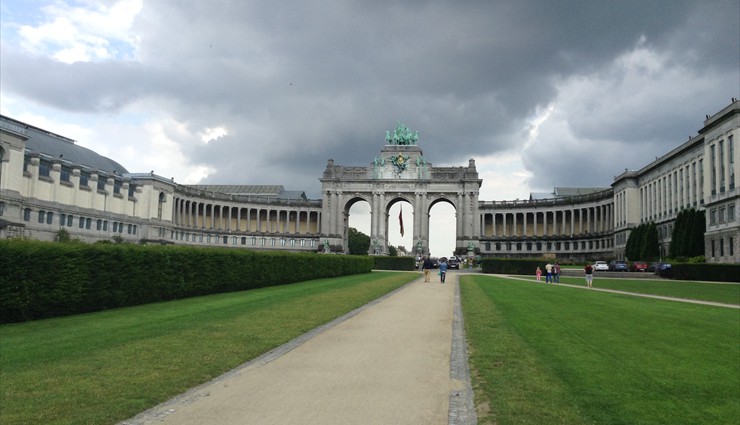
point(296, 83)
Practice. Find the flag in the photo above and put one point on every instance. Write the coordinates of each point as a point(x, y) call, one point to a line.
point(400, 219)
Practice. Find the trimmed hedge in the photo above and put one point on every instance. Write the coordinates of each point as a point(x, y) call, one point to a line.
point(706, 271)
point(393, 263)
point(41, 279)
point(512, 266)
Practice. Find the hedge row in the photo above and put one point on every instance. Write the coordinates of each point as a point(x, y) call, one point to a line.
point(707, 272)
point(512, 266)
point(41, 279)
point(681, 271)
point(393, 263)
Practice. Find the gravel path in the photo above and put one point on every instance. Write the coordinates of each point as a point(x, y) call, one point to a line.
point(398, 360)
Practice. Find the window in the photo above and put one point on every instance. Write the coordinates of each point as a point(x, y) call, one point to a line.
point(226, 240)
point(731, 157)
point(66, 172)
point(82, 222)
point(722, 215)
point(713, 168)
point(99, 225)
point(2, 208)
point(115, 226)
point(713, 217)
point(27, 214)
point(42, 216)
point(713, 251)
point(721, 166)
point(62, 219)
point(732, 246)
point(254, 240)
point(244, 240)
point(49, 217)
point(131, 230)
point(44, 168)
point(70, 219)
point(233, 240)
point(131, 190)
point(117, 187)
point(84, 178)
point(731, 212)
point(101, 182)
point(105, 225)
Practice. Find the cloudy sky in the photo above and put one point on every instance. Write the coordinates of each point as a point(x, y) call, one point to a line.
point(541, 94)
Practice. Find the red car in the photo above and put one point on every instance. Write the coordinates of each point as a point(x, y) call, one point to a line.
point(638, 266)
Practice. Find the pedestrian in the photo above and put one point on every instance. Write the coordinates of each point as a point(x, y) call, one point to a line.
point(589, 275)
point(548, 269)
point(539, 274)
point(556, 272)
point(427, 266)
point(442, 270)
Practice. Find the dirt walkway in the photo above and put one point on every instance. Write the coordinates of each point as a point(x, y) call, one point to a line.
point(400, 360)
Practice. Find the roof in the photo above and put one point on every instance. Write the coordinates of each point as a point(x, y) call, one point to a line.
point(565, 192)
point(269, 191)
point(53, 145)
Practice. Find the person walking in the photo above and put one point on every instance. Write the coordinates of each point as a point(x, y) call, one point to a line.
point(427, 266)
point(589, 275)
point(539, 274)
point(548, 269)
point(556, 273)
point(442, 270)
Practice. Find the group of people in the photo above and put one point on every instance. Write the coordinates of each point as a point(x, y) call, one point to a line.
point(427, 265)
point(553, 274)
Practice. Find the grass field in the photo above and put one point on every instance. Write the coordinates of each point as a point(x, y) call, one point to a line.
point(704, 291)
point(105, 367)
point(544, 354)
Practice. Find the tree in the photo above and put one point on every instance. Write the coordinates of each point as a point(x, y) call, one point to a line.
point(650, 249)
point(633, 249)
point(63, 236)
point(687, 239)
point(359, 243)
point(392, 251)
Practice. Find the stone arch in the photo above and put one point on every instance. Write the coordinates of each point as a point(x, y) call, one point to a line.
point(345, 216)
point(388, 180)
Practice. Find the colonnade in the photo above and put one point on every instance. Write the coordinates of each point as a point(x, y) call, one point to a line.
point(240, 218)
point(574, 221)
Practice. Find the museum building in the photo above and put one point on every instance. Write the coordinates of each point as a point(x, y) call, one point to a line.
point(48, 183)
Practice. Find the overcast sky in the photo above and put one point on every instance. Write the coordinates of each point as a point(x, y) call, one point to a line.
point(541, 94)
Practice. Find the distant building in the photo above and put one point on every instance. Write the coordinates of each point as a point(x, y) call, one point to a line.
point(48, 183)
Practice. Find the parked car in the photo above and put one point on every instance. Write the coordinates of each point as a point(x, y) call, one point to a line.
point(453, 263)
point(639, 266)
point(618, 266)
point(664, 270)
point(600, 266)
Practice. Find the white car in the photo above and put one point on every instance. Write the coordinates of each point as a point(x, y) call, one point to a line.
point(601, 265)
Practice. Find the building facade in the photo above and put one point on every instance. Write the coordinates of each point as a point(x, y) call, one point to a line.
point(49, 183)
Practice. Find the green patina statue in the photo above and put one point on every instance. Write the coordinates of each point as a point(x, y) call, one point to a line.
point(401, 136)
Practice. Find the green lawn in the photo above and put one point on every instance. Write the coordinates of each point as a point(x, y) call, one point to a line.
point(705, 291)
point(557, 355)
point(104, 367)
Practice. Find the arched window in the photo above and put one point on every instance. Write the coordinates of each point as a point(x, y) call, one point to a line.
point(162, 198)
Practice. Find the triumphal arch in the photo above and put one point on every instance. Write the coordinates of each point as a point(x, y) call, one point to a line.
point(400, 173)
